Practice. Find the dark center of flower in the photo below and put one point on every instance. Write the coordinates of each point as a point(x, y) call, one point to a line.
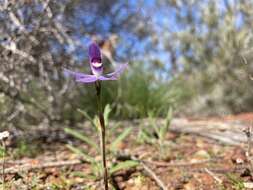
point(96, 60)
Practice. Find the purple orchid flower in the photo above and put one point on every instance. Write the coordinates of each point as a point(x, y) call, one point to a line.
point(96, 66)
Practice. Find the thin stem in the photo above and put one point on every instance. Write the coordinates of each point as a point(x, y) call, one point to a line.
point(248, 133)
point(3, 165)
point(102, 134)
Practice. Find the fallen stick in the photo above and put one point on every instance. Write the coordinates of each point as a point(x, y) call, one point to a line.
point(218, 170)
point(37, 166)
point(154, 176)
point(224, 132)
point(149, 171)
point(181, 164)
point(213, 176)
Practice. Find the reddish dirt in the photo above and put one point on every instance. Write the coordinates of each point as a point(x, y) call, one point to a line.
point(216, 166)
point(244, 117)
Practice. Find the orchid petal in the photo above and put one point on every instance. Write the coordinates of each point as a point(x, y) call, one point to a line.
point(88, 79)
point(107, 78)
point(94, 53)
point(77, 75)
point(119, 70)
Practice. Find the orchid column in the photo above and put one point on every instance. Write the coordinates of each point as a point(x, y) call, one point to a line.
point(96, 77)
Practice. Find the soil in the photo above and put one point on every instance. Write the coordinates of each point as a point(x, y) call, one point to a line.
point(188, 161)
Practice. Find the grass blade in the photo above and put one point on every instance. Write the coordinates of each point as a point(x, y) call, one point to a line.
point(166, 126)
point(82, 137)
point(120, 138)
point(152, 122)
point(82, 175)
point(86, 115)
point(123, 165)
point(85, 156)
point(107, 112)
point(144, 137)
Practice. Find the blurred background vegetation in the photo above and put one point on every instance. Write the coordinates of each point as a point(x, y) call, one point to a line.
point(192, 55)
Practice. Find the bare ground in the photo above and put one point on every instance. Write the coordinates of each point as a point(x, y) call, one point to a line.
point(194, 159)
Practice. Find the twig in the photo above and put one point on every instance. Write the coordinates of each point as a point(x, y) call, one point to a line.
point(28, 167)
point(3, 164)
point(13, 48)
point(248, 133)
point(3, 136)
point(213, 175)
point(181, 164)
point(151, 173)
point(16, 21)
point(154, 176)
point(145, 167)
point(218, 170)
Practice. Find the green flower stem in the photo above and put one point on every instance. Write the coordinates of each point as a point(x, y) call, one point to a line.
point(102, 134)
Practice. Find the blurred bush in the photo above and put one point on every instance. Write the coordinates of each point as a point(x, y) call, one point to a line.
point(39, 38)
point(193, 55)
point(210, 47)
point(140, 91)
